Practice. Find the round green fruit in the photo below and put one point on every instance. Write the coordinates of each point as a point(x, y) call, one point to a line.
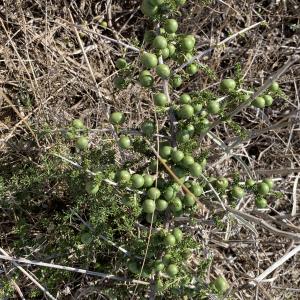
point(185, 99)
point(177, 156)
point(176, 205)
point(172, 270)
point(124, 142)
point(82, 143)
point(153, 193)
point(178, 234)
point(172, 49)
point(148, 9)
point(190, 128)
point(161, 205)
point(167, 259)
point(196, 189)
point(263, 188)
point(103, 24)
point(121, 63)
point(163, 71)
point(148, 128)
point(159, 286)
point(221, 284)
point(170, 240)
point(149, 60)
point(192, 69)
point(221, 183)
point(165, 151)
point(182, 136)
point(137, 181)
point(195, 169)
point(187, 161)
point(169, 193)
point(274, 86)
point(78, 124)
point(261, 203)
point(123, 176)
point(165, 53)
point(186, 111)
point(148, 180)
point(249, 183)
point(149, 206)
point(187, 44)
point(160, 42)
point(70, 135)
point(259, 102)
point(237, 192)
point(158, 266)
point(92, 188)
point(146, 79)
point(116, 118)
point(213, 107)
point(268, 100)
point(197, 107)
point(171, 26)
point(269, 182)
point(228, 85)
point(160, 99)
point(189, 200)
point(176, 81)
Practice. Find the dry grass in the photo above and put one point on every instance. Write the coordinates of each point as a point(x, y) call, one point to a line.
point(47, 81)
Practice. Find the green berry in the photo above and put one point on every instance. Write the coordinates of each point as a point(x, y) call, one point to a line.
point(124, 142)
point(116, 118)
point(149, 206)
point(148, 180)
point(182, 136)
point(269, 182)
point(172, 270)
point(185, 99)
point(121, 63)
point(82, 143)
point(160, 42)
point(187, 43)
point(149, 60)
point(178, 234)
point(148, 9)
point(237, 192)
point(165, 53)
point(163, 71)
point(195, 169)
point(261, 203)
point(228, 85)
point(263, 188)
point(196, 189)
point(169, 193)
point(103, 24)
point(177, 156)
point(213, 107)
point(268, 100)
point(259, 102)
point(171, 25)
point(146, 79)
point(274, 86)
point(137, 181)
point(249, 183)
point(190, 128)
point(148, 127)
point(161, 205)
point(187, 161)
point(189, 200)
point(123, 176)
point(153, 193)
point(159, 266)
point(160, 99)
point(192, 69)
point(176, 81)
point(165, 151)
point(221, 284)
point(221, 183)
point(186, 111)
point(170, 240)
point(167, 259)
point(176, 205)
point(172, 49)
point(197, 107)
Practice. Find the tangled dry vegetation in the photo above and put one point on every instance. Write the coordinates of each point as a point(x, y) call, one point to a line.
point(48, 78)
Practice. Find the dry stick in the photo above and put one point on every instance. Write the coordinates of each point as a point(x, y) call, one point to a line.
point(265, 86)
point(15, 263)
point(273, 267)
point(65, 268)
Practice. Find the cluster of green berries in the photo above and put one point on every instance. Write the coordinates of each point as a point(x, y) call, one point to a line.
point(77, 131)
